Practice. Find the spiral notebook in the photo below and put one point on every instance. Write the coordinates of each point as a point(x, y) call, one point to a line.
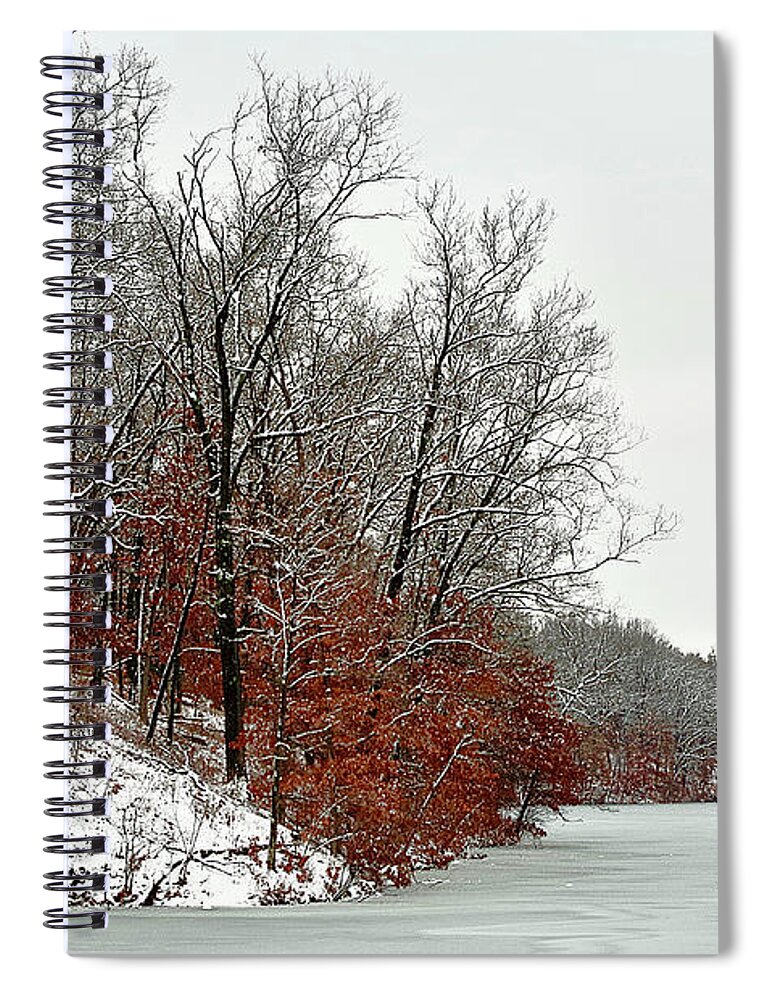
point(383, 474)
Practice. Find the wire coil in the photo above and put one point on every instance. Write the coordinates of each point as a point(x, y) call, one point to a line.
point(80, 214)
point(54, 65)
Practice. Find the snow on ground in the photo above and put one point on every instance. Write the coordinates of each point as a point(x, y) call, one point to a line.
point(177, 841)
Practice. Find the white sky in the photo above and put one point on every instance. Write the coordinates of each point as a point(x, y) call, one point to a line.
point(615, 131)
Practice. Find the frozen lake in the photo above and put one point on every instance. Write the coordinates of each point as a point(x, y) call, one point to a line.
point(626, 880)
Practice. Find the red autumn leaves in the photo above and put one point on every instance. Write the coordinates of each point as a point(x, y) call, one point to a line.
point(388, 747)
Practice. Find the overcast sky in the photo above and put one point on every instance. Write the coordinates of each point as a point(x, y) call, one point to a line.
point(615, 131)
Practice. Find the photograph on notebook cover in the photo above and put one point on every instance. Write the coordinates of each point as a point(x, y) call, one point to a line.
point(413, 571)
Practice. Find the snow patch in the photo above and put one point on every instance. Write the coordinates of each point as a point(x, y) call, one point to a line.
point(175, 840)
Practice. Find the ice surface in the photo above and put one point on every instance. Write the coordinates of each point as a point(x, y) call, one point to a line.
point(631, 880)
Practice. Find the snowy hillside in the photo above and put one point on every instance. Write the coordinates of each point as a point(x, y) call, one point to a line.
point(177, 841)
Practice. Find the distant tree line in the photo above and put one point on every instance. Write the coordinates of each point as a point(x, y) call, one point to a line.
point(647, 711)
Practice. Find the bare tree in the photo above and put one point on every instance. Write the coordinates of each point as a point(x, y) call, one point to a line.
point(220, 281)
point(506, 483)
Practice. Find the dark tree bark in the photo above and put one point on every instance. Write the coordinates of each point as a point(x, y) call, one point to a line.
point(227, 637)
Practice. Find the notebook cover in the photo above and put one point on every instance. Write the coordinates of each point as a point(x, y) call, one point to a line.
point(411, 590)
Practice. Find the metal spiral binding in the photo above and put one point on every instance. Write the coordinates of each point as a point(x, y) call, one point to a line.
point(77, 136)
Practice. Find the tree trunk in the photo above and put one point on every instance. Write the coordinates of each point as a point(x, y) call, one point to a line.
point(224, 559)
point(142, 663)
point(279, 752)
point(174, 700)
point(172, 669)
point(407, 535)
point(227, 635)
point(526, 803)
